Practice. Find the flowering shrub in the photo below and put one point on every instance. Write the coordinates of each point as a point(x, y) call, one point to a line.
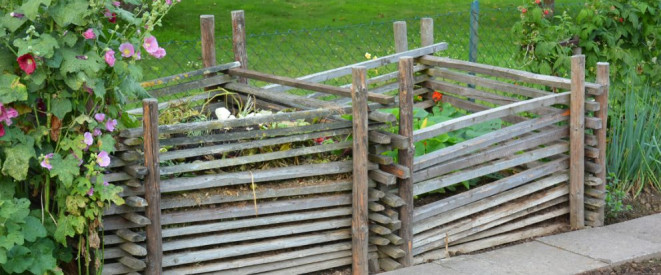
point(66, 68)
point(623, 33)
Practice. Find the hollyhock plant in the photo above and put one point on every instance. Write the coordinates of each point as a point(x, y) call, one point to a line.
point(159, 53)
point(2, 130)
point(100, 117)
point(88, 139)
point(96, 132)
point(89, 34)
point(150, 44)
point(126, 49)
point(110, 125)
point(103, 159)
point(7, 113)
point(110, 57)
point(27, 63)
point(46, 162)
point(90, 192)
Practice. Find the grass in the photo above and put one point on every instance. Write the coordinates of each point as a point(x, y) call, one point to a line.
point(298, 37)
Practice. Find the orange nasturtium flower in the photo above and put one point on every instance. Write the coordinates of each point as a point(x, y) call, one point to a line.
point(436, 96)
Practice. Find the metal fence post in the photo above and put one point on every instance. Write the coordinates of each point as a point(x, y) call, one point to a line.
point(475, 14)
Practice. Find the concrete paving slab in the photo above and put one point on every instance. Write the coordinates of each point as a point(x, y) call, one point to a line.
point(605, 245)
point(424, 269)
point(470, 264)
point(646, 228)
point(539, 259)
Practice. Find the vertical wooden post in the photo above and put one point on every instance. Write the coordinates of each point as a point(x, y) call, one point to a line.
point(239, 41)
point(359, 222)
point(473, 38)
point(603, 70)
point(406, 156)
point(426, 31)
point(401, 43)
point(152, 186)
point(208, 39)
point(576, 143)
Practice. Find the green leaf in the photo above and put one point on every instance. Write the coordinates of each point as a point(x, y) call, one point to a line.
point(71, 64)
point(11, 23)
point(18, 161)
point(31, 8)
point(43, 45)
point(67, 12)
point(11, 89)
point(3, 255)
point(19, 260)
point(33, 229)
point(7, 60)
point(42, 252)
point(65, 169)
point(68, 226)
point(60, 107)
point(106, 143)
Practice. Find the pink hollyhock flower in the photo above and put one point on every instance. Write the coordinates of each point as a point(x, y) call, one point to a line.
point(88, 139)
point(96, 132)
point(27, 64)
point(16, 15)
point(110, 124)
point(137, 55)
point(116, 3)
point(7, 113)
point(126, 49)
point(105, 183)
point(103, 159)
point(46, 163)
point(90, 192)
point(89, 34)
point(100, 117)
point(110, 57)
point(2, 130)
point(150, 44)
point(160, 53)
point(112, 17)
point(169, 2)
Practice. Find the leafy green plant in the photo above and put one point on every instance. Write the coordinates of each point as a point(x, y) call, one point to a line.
point(615, 198)
point(66, 69)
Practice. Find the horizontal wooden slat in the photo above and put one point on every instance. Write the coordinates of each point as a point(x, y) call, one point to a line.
point(468, 92)
point(487, 83)
point(187, 257)
point(302, 84)
point(186, 75)
point(498, 112)
point(369, 64)
point(197, 84)
point(551, 81)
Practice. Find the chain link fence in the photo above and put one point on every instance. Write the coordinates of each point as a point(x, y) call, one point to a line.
point(296, 53)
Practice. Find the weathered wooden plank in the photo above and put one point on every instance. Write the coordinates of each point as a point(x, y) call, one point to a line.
point(253, 234)
point(392, 251)
point(490, 189)
point(592, 122)
point(376, 194)
point(590, 140)
point(230, 147)
point(488, 168)
point(594, 203)
point(359, 221)
point(401, 43)
point(375, 207)
point(394, 239)
point(369, 64)
point(382, 177)
point(592, 152)
point(152, 188)
point(388, 264)
point(379, 137)
point(208, 40)
point(468, 92)
point(219, 163)
point(376, 240)
point(380, 159)
point(406, 188)
point(487, 83)
point(523, 76)
point(109, 240)
point(489, 154)
point(187, 257)
point(603, 73)
point(255, 222)
point(136, 218)
point(577, 142)
point(595, 193)
point(261, 263)
point(393, 200)
point(397, 141)
point(379, 230)
point(235, 211)
point(422, 225)
point(239, 40)
point(187, 75)
point(133, 263)
point(327, 264)
point(475, 107)
point(134, 201)
point(498, 112)
point(131, 236)
point(379, 218)
point(115, 268)
point(192, 85)
point(136, 171)
point(134, 249)
point(312, 86)
point(291, 100)
point(397, 170)
point(382, 117)
point(593, 167)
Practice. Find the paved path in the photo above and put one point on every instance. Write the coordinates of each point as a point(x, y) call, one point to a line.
point(567, 253)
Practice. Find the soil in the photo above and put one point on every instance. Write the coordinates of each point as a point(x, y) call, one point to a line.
point(645, 267)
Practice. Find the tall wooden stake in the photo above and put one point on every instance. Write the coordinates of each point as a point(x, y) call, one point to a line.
point(406, 156)
point(208, 39)
point(426, 31)
point(401, 43)
point(576, 143)
point(239, 41)
point(152, 186)
point(359, 223)
point(603, 71)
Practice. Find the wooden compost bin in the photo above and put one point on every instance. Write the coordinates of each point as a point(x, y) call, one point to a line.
point(223, 196)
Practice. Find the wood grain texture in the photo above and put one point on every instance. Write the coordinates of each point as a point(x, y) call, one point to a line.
point(360, 222)
point(426, 31)
point(603, 71)
point(401, 43)
point(239, 40)
point(188, 75)
point(577, 143)
point(406, 156)
point(208, 41)
point(152, 186)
